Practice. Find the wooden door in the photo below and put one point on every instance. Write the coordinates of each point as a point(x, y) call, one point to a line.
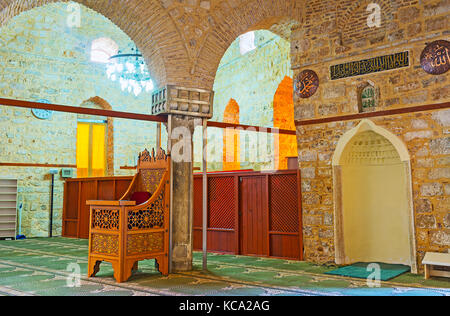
point(254, 216)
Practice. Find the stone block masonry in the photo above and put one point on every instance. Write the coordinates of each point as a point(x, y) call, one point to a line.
point(42, 58)
point(339, 34)
point(430, 170)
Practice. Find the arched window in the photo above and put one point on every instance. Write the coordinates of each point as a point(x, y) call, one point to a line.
point(283, 118)
point(231, 139)
point(368, 97)
point(95, 142)
point(102, 49)
point(247, 42)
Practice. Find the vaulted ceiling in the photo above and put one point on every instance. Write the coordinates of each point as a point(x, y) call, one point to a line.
point(183, 41)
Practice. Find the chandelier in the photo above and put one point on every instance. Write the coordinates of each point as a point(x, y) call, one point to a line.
point(130, 70)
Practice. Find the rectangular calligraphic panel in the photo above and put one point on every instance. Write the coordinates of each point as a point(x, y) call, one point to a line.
point(368, 66)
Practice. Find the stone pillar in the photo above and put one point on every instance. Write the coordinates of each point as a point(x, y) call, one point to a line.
point(181, 133)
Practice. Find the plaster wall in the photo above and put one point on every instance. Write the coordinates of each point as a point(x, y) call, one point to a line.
point(375, 214)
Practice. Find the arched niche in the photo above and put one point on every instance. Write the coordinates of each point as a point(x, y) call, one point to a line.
point(374, 219)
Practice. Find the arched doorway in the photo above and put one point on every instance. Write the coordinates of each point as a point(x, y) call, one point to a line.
point(95, 141)
point(283, 118)
point(231, 138)
point(373, 198)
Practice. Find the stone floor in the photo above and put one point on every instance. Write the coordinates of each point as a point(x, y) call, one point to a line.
point(44, 267)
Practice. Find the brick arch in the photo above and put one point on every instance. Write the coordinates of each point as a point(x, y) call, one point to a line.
point(347, 8)
point(97, 102)
point(283, 118)
point(230, 21)
point(231, 138)
point(351, 13)
point(137, 19)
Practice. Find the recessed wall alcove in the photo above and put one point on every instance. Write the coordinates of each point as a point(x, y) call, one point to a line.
point(374, 219)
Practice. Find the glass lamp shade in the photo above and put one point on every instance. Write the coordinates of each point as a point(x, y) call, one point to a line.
point(131, 72)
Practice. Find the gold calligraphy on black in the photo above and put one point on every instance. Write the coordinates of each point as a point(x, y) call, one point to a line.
point(372, 65)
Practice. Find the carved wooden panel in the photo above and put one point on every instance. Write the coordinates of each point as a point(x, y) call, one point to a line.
point(107, 219)
point(105, 244)
point(127, 234)
point(149, 180)
point(148, 218)
point(145, 243)
point(153, 160)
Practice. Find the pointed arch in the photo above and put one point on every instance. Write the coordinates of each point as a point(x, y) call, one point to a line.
point(374, 213)
point(283, 118)
point(368, 125)
point(231, 138)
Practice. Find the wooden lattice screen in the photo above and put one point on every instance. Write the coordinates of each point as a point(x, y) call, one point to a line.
point(278, 213)
point(284, 203)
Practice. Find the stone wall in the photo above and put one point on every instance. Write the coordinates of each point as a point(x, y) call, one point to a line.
point(334, 36)
point(43, 58)
point(426, 137)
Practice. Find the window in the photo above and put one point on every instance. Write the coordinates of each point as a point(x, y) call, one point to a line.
point(91, 149)
point(231, 138)
point(283, 118)
point(247, 42)
point(102, 49)
point(368, 97)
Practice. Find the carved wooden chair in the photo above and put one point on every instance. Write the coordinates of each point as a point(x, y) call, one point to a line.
point(136, 227)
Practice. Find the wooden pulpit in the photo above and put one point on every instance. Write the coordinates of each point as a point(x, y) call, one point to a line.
point(136, 227)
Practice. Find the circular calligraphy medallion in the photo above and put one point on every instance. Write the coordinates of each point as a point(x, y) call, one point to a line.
point(306, 84)
point(435, 58)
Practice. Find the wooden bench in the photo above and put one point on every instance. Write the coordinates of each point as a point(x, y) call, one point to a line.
point(436, 259)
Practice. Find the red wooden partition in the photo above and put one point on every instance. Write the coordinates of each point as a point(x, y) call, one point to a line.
point(251, 213)
point(75, 223)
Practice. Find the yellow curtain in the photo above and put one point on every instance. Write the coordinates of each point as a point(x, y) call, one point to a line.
point(98, 150)
point(83, 150)
point(91, 150)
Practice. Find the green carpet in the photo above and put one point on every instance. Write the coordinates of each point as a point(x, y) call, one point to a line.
point(363, 270)
point(41, 267)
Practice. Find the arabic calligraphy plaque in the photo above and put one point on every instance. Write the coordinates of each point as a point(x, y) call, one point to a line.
point(306, 84)
point(435, 58)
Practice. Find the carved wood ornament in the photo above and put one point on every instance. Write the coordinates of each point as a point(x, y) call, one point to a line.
point(124, 233)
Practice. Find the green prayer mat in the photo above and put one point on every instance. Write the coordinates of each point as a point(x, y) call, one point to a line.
point(361, 270)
